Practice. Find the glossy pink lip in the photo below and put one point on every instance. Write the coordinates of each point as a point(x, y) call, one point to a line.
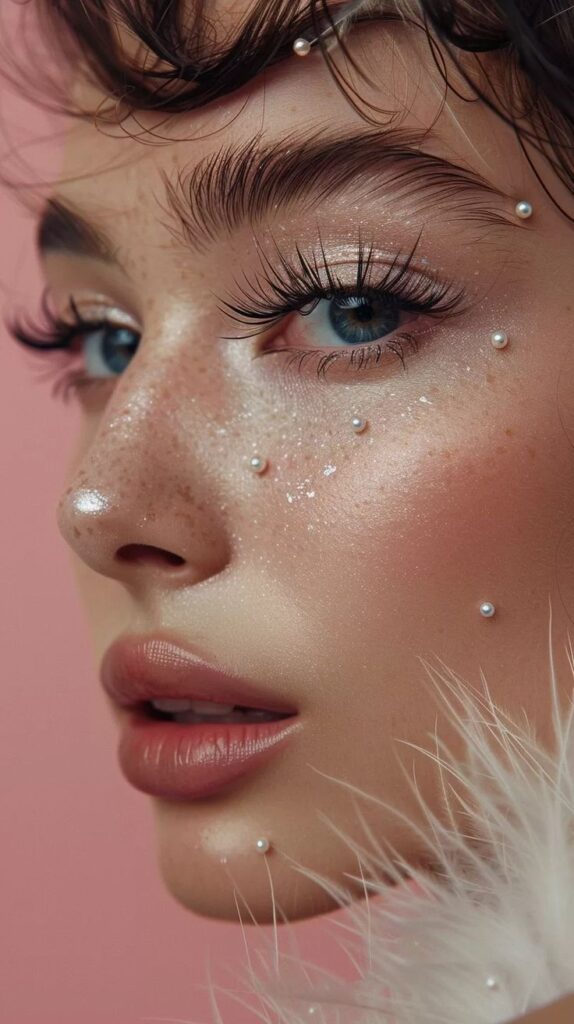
point(186, 762)
point(137, 669)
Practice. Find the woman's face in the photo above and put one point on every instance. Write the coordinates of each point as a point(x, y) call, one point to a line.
point(325, 578)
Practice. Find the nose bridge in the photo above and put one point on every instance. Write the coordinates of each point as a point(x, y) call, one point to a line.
point(141, 495)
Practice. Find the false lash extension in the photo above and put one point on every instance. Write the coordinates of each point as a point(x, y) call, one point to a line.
point(54, 333)
point(293, 289)
point(57, 339)
point(301, 288)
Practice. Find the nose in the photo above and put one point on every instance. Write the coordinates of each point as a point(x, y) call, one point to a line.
point(142, 508)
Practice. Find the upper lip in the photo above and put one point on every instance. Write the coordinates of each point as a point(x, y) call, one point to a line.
point(138, 669)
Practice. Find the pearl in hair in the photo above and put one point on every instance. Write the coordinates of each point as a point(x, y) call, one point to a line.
point(301, 47)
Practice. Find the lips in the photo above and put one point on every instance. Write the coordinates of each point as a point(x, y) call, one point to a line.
point(135, 670)
point(174, 760)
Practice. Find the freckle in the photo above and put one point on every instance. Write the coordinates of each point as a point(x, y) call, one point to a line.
point(490, 378)
point(90, 529)
point(445, 455)
point(508, 431)
point(531, 451)
point(77, 532)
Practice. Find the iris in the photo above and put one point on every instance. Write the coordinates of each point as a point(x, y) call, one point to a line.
point(358, 319)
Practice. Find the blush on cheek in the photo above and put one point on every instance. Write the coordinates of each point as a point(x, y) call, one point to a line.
point(464, 526)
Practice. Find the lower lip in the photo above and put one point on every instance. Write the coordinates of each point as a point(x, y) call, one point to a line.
point(189, 761)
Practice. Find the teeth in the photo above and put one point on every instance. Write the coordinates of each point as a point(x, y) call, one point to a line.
point(172, 705)
point(208, 707)
point(200, 707)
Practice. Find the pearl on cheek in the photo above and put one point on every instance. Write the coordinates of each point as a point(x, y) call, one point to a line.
point(257, 464)
point(499, 339)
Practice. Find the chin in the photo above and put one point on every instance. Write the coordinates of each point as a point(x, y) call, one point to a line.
point(252, 904)
point(251, 889)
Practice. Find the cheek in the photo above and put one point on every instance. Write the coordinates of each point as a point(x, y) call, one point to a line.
point(423, 528)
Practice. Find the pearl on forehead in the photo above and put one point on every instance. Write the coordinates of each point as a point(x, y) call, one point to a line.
point(301, 47)
point(499, 339)
point(523, 209)
point(491, 982)
point(358, 424)
point(257, 464)
point(262, 845)
point(487, 609)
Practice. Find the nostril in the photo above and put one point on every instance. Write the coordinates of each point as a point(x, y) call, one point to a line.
point(146, 554)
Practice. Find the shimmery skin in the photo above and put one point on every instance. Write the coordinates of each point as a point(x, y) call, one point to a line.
point(330, 601)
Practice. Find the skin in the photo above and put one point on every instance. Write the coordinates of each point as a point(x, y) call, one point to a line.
point(326, 588)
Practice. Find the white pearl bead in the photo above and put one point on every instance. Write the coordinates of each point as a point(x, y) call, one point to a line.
point(523, 209)
point(487, 609)
point(358, 424)
point(499, 339)
point(262, 845)
point(301, 47)
point(491, 982)
point(257, 464)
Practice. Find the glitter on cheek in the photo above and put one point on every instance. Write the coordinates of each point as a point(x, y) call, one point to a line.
point(301, 488)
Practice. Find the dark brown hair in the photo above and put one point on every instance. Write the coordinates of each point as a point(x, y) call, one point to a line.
point(517, 56)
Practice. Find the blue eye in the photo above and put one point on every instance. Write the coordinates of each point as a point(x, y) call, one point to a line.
point(358, 319)
point(108, 350)
point(351, 321)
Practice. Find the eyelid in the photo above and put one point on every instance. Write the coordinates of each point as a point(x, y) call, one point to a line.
point(98, 311)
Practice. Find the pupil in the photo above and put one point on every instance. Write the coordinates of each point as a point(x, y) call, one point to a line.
point(118, 348)
point(364, 313)
point(357, 319)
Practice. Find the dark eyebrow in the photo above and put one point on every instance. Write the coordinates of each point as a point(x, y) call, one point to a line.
point(62, 228)
point(244, 182)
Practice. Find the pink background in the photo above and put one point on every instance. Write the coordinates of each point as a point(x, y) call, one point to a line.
point(89, 934)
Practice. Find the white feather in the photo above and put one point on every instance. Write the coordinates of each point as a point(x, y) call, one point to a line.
point(500, 907)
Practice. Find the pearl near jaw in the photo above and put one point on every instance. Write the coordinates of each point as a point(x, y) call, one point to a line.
point(301, 47)
point(358, 424)
point(257, 464)
point(487, 609)
point(262, 845)
point(499, 339)
point(523, 209)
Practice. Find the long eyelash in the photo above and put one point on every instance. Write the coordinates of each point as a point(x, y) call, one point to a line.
point(282, 291)
point(300, 288)
point(54, 333)
point(59, 338)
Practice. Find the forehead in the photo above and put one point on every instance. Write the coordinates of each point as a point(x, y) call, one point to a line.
point(397, 82)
